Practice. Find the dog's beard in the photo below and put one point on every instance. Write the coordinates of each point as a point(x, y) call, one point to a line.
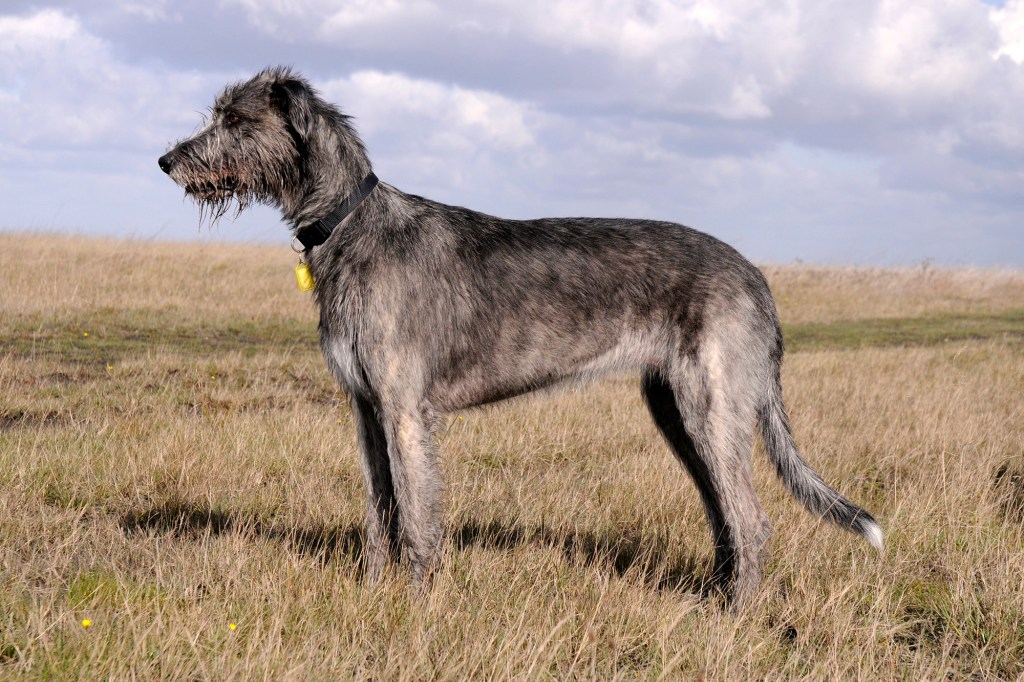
point(229, 189)
point(209, 190)
point(212, 209)
point(216, 201)
point(226, 193)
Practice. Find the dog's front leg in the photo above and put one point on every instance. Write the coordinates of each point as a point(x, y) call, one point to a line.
point(417, 485)
point(381, 542)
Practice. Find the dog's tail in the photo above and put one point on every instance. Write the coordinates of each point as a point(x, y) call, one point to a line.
point(801, 480)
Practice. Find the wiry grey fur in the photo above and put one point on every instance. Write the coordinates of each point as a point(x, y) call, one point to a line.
point(427, 308)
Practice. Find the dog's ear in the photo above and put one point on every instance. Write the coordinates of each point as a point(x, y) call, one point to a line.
point(294, 99)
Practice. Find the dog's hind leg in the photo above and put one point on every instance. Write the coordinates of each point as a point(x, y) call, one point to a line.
point(381, 543)
point(662, 404)
point(714, 446)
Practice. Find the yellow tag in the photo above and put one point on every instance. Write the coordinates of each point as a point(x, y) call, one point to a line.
point(304, 277)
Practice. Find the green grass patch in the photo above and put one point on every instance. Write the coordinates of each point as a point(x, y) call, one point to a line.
point(110, 336)
point(904, 331)
point(94, 590)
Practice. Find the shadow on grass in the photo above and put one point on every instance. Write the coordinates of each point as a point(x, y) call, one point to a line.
point(186, 520)
point(628, 554)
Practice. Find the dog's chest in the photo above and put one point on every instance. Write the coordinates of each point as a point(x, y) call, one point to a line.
point(339, 298)
point(342, 358)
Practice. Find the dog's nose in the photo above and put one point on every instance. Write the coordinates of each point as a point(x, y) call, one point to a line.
point(166, 162)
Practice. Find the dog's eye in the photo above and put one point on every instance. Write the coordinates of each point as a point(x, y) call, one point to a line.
point(232, 119)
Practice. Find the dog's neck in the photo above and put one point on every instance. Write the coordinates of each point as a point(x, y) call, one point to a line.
point(316, 194)
point(319, 231)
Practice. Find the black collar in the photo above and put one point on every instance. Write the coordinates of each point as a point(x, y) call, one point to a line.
point(317, 233)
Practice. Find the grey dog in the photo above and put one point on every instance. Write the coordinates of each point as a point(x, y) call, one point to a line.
point(427, 308)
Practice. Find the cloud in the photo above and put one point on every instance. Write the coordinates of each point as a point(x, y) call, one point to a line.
point(788, 127)
point(448, 115)
point(445, 140)
point(63, 88)
point(831, 75)
point(1009, 22)
point(325, 19)
point(48, 42)
point(920, 53)
point(151, 11)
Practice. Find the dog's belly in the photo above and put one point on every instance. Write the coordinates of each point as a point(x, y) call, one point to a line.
point(512, 370)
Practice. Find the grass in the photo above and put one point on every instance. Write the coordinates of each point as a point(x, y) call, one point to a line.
point(189, 464)
point(941, 328)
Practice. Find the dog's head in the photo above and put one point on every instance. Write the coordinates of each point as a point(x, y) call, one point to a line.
point(254, 145)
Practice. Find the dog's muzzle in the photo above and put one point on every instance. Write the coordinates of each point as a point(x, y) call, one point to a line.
point(166, 162)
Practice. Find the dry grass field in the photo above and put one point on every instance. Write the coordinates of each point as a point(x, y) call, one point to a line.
point(178, 469)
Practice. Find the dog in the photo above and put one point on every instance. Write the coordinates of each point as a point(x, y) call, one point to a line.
point(427, 308)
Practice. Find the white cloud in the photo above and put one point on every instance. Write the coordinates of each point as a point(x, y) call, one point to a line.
point(925, 51)
point(447, 114)
point(154, 11)
point(324, 19)
point(64, 88)
point(717, 58)
point(443, 140)
point(745, 102)
point(19, 33)
point(44, 57)
point(736, 60)
point(1009, 21)
point(717, 111)
point(633, 29)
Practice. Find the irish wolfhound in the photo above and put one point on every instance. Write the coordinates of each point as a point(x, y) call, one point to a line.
point(427, 308)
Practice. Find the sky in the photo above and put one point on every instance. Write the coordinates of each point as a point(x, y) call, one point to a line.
point(875, 132)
